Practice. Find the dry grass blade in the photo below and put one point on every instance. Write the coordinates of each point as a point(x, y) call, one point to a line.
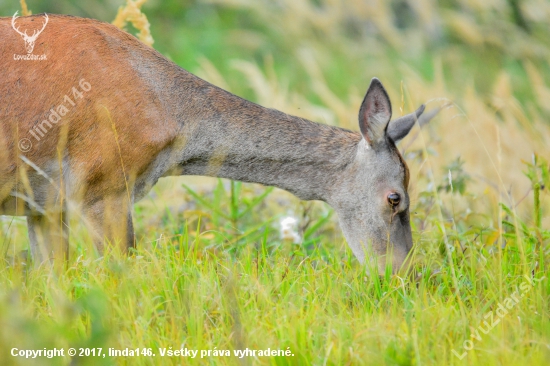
point(131, 12)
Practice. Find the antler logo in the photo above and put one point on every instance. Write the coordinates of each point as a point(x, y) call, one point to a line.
point(29, 40)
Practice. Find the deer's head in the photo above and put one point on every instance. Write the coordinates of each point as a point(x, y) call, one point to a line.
point(29, 40)
point(371, 196)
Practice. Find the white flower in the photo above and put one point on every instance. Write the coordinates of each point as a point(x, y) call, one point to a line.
point(289, 230)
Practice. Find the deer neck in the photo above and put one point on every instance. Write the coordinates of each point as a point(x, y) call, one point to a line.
point(225, 136)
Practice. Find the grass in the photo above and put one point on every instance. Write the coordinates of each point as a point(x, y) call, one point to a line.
point(320, 305)
point(211, 271)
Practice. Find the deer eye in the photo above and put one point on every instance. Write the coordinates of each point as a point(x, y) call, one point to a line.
point(394, 199)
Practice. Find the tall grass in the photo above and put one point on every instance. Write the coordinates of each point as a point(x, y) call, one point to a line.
point(211, 269)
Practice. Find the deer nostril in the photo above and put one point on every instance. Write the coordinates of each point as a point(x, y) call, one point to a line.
point(394, 199)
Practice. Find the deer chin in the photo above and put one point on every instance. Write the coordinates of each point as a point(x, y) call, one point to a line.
point(380, 250)
point(377, 263)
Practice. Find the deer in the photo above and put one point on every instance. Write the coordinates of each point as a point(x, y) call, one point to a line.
point(29, 40)
point(112, 116)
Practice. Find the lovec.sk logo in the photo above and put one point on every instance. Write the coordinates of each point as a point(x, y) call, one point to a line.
point(29, 40)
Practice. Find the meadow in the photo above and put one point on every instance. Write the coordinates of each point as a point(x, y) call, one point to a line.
point(212, 270)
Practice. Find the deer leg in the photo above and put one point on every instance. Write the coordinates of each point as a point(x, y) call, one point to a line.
point(49, 237)
point(111, 221)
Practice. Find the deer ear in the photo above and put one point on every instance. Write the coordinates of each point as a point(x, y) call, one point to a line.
point(399, 128)
point(375, 113)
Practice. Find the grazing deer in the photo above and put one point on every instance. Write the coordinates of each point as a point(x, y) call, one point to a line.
point(105, 116)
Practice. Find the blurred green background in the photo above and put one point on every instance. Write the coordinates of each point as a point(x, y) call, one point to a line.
point(352, 40)
point(315, 59)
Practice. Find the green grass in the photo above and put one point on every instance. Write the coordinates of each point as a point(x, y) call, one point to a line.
point(324, 307)
point(211, 271)
point(232, 289)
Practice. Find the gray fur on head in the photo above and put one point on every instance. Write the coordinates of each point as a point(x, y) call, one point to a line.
point(374, 228)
